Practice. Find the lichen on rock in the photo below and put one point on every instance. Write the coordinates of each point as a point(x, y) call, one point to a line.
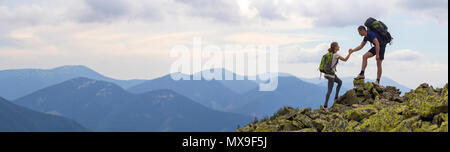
point(366, 108)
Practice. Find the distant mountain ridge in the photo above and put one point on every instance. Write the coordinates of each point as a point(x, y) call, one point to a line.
point(14, 118)
point(238, 96)
point(291, 91)
point(104, 106)
point(217, 94)
point(19, 82)
point(211, 94)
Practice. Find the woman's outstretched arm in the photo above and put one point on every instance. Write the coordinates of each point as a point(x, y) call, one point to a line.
point(347, 57)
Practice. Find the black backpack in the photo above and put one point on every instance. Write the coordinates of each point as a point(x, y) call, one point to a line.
point(380, 28)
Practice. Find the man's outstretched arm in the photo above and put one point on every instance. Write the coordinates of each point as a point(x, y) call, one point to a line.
point(363, 43)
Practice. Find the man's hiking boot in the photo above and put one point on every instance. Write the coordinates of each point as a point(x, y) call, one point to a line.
point(377, 82)
point(359, 77)
point(325, 108)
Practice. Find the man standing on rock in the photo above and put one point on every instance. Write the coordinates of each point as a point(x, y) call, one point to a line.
point(377, 50)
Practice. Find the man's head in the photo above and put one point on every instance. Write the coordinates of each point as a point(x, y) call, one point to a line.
point(362, 30)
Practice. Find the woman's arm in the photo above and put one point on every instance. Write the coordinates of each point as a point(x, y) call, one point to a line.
point(347, 57)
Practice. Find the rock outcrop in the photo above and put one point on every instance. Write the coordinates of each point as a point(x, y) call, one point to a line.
point(366, 108)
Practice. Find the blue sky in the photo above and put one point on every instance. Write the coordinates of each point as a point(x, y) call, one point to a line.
point(132, 39)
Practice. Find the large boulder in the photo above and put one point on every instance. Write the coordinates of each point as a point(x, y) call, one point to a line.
point(359, 114)
point(349, 98)
point(368, 93)
point(358, 83)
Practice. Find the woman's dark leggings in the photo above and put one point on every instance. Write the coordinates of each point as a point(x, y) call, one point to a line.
point(331, 82)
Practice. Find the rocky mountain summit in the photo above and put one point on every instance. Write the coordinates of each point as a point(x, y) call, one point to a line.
point(366, 108)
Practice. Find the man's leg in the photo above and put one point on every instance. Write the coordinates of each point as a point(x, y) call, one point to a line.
point(380, 64)
point(380, 70)
point(364, 64)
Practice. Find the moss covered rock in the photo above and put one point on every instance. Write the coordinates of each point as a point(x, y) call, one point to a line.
point(349, 98)
point(307, 130)
point(358, 83)
point(359, 114)
point(319, 124)
point(374, 109)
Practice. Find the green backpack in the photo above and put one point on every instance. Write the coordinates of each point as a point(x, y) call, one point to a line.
point(326, 64)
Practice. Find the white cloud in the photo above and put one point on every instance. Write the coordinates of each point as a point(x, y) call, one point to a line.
point(341, 13)
point(219, 10)
point(412, 65)
point(123, 38)
point(405, 55)
point(39, 12)
point(104, 10)
point(58, 32)
point(322, 13)
point(413, 73)
point(245, 8)
point(262, 38)
point(436, 10)
point(297, 54)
